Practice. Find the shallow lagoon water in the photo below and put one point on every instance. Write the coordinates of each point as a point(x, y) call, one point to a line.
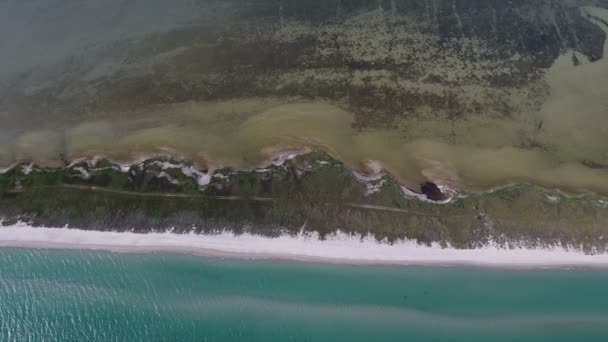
point(551, 143)
point(214, 136)
point(99, 296)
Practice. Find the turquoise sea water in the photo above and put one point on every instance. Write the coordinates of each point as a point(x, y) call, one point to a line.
point(97, 296)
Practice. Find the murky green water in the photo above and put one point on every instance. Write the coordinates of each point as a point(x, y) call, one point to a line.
point(546, 143)
point(211, 135)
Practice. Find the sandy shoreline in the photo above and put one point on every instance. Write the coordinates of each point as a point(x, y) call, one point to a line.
point(339, 248)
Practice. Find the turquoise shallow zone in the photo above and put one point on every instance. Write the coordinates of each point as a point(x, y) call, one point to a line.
point(98, 296)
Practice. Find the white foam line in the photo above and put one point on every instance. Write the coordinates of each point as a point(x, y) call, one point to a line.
point(7, 169)
point(422, 197)
point(202, 178)
point(27, 169)
point(280, 158)
point(338, 248)
point(168, 177)
point(83, 173)
point(365, 179)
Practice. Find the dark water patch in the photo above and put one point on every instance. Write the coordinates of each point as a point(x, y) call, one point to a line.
point(432, 192)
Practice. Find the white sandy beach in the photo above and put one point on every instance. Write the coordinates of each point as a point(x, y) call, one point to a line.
point(340, 248)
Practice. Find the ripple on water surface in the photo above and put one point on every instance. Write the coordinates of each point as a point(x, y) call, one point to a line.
point(71, 296)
